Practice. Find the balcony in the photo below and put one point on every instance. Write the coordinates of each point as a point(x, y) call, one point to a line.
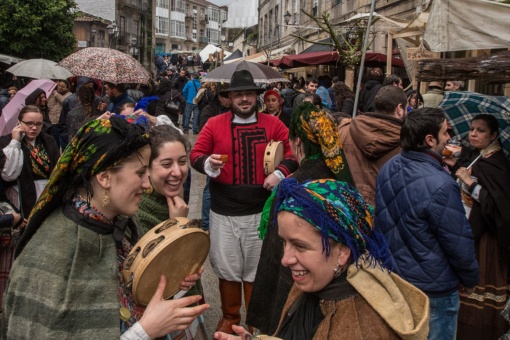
point(189, 37)
point(204, 19)
point(203, 39)
point(189, 15)
point(135, 4)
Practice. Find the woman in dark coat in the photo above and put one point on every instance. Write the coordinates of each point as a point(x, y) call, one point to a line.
point(486, 196)
point(312, 136)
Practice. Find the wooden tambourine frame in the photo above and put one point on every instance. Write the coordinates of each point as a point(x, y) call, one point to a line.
point(273, 155)
point(175, 248)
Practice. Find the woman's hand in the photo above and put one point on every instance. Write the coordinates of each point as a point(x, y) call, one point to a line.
point(102, 106)
point(162, 317)
point(224, 336)
point(152, 120)
point(177, 207)
point(190, 280)
point(465, 176)
point(17, 133)
point(105, 115)
point(16, 218)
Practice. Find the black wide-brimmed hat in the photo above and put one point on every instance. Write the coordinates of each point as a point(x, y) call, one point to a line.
point(243, 81)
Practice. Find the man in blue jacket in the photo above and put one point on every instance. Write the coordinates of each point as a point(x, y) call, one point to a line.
point(418, 208)
point(189, 92)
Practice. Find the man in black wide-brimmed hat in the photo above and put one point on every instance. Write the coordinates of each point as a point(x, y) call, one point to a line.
point(230, 149)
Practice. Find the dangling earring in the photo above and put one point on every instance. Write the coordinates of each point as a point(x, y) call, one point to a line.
point(106, 198)
point(149, 190)
point(337, 271)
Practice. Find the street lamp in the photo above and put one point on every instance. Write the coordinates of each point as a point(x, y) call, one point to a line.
point(134, 49)
point(113, 32)
point(287, 17)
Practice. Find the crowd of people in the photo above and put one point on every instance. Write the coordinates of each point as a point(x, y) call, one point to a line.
point(371, 226)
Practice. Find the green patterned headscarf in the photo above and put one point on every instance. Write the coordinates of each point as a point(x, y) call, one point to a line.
point(318, 133)
point(98, 146)
point(339, 212)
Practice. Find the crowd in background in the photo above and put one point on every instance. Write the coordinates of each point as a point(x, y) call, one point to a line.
point(382, 192)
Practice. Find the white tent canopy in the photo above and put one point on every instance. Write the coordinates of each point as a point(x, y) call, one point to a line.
point(458, 25)
point(210, 49)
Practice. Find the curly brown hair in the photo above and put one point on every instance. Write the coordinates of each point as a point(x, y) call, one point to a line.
point(86, 96)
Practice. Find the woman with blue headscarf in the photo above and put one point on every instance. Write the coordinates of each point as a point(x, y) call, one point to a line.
point(342, 287)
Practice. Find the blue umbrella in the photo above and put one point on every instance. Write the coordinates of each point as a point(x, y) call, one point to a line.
point(461, 107)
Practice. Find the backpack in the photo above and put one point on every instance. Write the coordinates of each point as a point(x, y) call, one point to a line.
point(288, 98)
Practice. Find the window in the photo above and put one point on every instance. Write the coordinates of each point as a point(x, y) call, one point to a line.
point(102, 36)
point(213, 14)
point(178, 6)
point(177, 29)
point(162, 3)
point(337, 2)
point(136, 26)
point(213, 36)
point(315, 8)
point(122, 26)
point(161, 25)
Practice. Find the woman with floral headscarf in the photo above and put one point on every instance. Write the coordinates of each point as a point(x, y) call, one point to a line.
point(316, 147)
point(66, 281)
point(273, 105)
point(342, 287)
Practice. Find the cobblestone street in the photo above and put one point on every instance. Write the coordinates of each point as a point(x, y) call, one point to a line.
point(209, 279)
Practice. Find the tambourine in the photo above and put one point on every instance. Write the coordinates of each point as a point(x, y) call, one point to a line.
point(273, 156)
point(175, 248)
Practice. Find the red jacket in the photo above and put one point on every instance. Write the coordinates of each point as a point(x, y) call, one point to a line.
point(245, 145)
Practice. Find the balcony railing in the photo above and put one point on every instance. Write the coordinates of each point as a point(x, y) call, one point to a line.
point(136, 4)
point(203, 39)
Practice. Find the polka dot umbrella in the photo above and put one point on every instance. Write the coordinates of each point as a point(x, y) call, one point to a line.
point(107, 65)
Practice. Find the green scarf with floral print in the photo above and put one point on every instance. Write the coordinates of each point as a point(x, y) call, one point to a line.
point(98, 145)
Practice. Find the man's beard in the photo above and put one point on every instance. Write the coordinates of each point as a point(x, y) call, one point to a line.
point(245, 113)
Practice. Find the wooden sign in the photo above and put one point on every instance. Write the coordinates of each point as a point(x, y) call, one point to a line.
point(414, 53)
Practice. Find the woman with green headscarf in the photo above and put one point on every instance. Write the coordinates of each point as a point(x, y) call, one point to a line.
point(66, 280)
point(342, 287)
point(316, 146)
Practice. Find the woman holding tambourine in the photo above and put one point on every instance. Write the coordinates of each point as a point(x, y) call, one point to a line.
point(168, 169)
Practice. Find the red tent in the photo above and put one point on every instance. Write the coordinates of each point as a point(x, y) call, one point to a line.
point(330, 58)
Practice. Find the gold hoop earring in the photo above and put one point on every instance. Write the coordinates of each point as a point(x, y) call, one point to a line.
point(106, 198)
point(149, 190)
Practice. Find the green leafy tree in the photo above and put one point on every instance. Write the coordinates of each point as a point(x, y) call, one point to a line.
point(37, 28)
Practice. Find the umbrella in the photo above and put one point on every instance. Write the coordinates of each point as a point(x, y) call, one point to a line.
point(39, 69)
point(107, 65)
point(461, 107)
point(261, 73)
point(11, 110)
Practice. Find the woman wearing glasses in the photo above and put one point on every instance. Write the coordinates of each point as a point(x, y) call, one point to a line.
point(29, 159)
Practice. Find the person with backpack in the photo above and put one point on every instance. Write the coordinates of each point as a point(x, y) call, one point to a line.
point(288, 95)
point(166, 95)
